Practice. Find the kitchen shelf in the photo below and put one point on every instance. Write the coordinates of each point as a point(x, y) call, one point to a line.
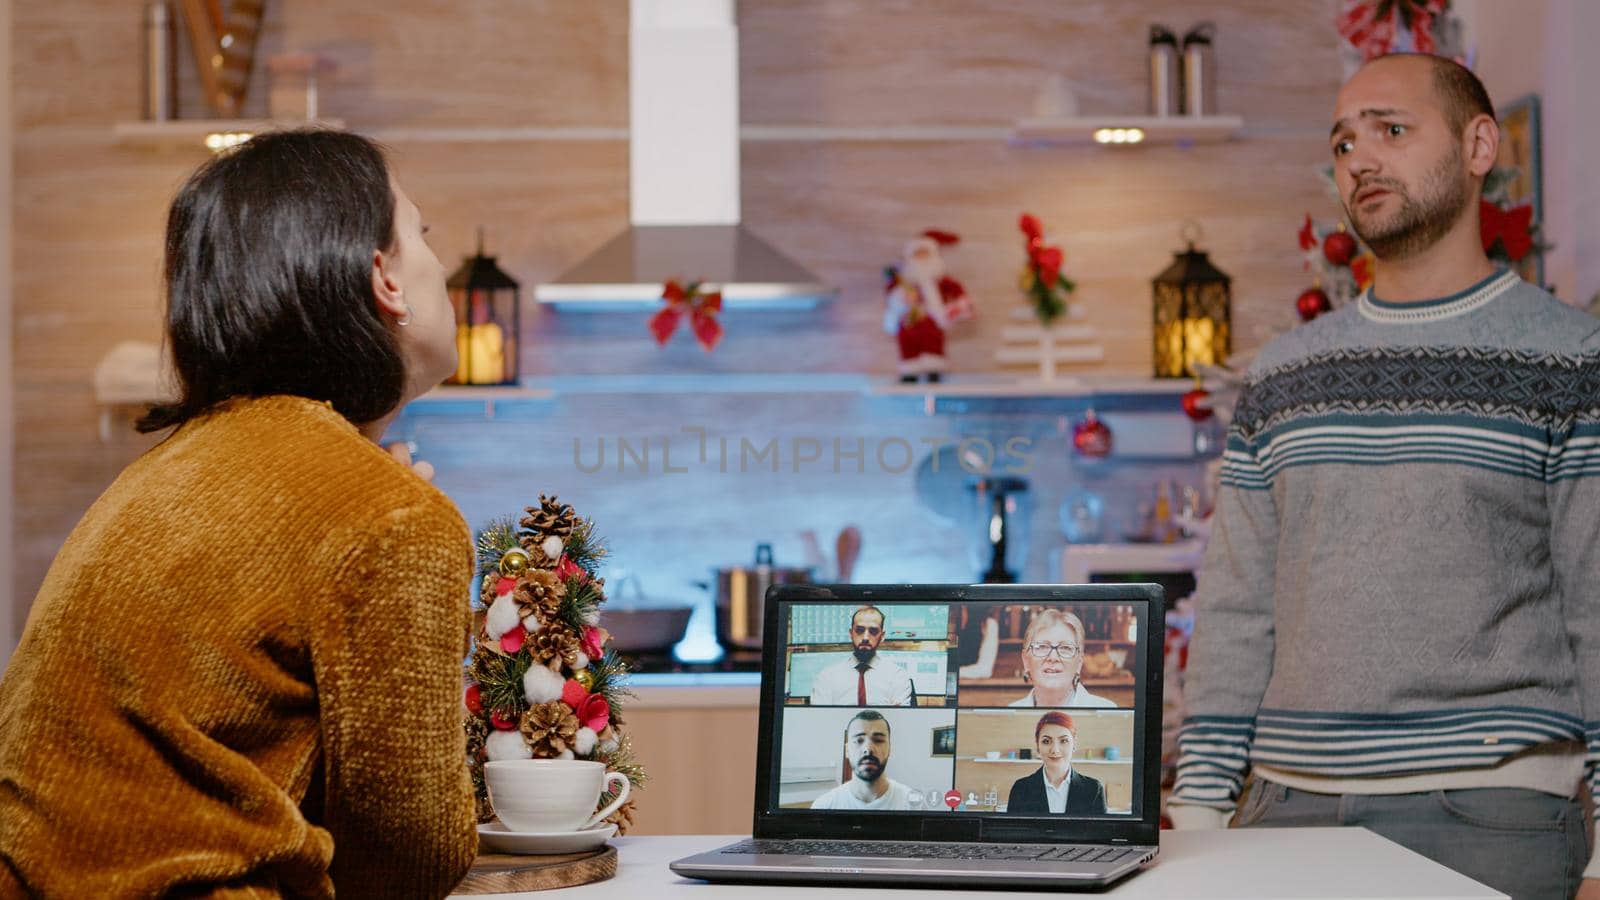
point(1179, 130)
point(177, 134)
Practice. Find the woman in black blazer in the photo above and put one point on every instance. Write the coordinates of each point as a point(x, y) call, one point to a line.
point(1053, 740)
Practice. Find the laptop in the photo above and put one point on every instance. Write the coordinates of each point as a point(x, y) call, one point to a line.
point(954, 735)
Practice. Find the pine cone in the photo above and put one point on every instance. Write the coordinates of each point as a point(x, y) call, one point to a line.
point(554, 646)
point(551, 518)
point(623, 817)
point(539, 592)
point(549, 728)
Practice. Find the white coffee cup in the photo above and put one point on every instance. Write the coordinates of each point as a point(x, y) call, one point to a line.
point(548, 796)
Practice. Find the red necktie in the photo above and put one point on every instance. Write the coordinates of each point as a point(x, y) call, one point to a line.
point(861, 684)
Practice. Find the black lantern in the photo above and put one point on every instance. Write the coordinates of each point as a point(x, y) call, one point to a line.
point(1193, 299)
point(487, 305)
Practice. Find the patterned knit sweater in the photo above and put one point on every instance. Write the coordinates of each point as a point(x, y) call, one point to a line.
point(241, 676)
point(1403, 576)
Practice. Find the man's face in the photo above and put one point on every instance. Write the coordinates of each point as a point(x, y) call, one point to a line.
point(866, 633)
point(867, 745)
point(1399, 165)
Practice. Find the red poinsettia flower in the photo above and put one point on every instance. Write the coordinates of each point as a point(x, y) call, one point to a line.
point(1030, 226)
point(1308, 235)
point(592, 643)
point(513, 639)
point(567, 570)
point(592, 710)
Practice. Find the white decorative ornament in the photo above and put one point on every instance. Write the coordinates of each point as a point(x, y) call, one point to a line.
point(540, 685)
point(552, 547)
point(609, 745)
point(583, 742)
point(582, 662)
point(565, 754)
point(507, 745)
point(503, 616)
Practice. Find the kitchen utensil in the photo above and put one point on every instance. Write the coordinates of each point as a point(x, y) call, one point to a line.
point(849, 550)
point(636, 627)
point(741, 597)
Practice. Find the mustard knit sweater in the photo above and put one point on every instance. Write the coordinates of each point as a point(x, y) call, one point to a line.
point(241, 676)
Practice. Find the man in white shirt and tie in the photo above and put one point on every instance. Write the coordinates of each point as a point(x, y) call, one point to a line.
point(865, 678)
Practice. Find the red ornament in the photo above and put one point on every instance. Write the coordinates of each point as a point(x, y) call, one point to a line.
point(474, 699)
point(1312, 303)
point(503, 720)
point(699, 307)
point(1091, 437)
point(1339, 248)
point(1194, 406)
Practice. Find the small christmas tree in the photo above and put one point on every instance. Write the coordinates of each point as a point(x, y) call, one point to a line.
point(541, 682)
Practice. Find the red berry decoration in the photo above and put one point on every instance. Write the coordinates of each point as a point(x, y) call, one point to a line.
point(1194, 406)
point(503, 720)
point(1339, 248)
point(1312, 303)
point(474, 698)
point(1091, 437)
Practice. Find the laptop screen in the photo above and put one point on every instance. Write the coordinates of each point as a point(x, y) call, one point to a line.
point(994, 702)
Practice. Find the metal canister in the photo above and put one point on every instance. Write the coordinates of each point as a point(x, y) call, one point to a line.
point(160, 68)
point(1200, 71)
point(1165, 96)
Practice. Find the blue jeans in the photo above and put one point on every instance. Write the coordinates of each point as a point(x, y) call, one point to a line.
point(1528, 844)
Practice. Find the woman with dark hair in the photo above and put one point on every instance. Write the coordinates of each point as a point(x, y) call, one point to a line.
point(242, 672)
point(1056, 787)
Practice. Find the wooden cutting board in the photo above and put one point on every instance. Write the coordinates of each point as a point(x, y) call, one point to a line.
point(501, 873)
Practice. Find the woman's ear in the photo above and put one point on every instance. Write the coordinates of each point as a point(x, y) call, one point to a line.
point(386, 286)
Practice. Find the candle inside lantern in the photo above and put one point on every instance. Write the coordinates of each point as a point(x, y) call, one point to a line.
point(480, 354)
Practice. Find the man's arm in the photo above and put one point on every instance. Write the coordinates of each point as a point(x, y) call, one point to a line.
point(1573, 476)
point(1230, 654)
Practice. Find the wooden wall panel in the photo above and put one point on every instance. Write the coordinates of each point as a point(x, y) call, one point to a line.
point(89, 213)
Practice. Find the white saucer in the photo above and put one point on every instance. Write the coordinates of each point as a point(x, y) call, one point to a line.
point(497, 838)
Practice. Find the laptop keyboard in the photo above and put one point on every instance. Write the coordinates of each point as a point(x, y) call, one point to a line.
point(1092, 853)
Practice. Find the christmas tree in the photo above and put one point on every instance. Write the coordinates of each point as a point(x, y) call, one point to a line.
point(541, 682)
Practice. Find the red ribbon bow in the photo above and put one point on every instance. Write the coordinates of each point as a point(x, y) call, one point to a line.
point(1513, 228)
point(701, 308)
point(1371, 25)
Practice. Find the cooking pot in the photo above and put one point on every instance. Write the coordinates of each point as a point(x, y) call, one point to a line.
point(741, 597)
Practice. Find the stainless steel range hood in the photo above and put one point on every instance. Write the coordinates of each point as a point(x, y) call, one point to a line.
point(683, 149)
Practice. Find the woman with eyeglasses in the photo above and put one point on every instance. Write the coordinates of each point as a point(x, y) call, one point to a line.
point(1052, 662)
point(1055, 787)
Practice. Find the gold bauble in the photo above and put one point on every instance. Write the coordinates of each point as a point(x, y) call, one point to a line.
point(584, 677)
point(514, 562)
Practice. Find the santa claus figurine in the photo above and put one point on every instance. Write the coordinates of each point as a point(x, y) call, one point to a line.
point(923, 301)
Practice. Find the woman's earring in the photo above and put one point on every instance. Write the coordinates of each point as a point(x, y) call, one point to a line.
point(405, 319)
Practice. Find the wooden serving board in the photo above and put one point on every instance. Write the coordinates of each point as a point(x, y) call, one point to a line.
point(504, 873)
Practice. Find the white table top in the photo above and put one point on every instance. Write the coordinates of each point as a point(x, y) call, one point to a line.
point(1243, 864)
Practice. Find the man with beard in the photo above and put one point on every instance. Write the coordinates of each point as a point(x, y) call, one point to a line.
point(864, 677)
point(1397, 620)
point(866, 745)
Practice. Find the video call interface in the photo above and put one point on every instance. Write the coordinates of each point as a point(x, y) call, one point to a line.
point(1019, 709)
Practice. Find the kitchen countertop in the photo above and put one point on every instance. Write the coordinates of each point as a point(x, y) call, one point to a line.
point(669, 690)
